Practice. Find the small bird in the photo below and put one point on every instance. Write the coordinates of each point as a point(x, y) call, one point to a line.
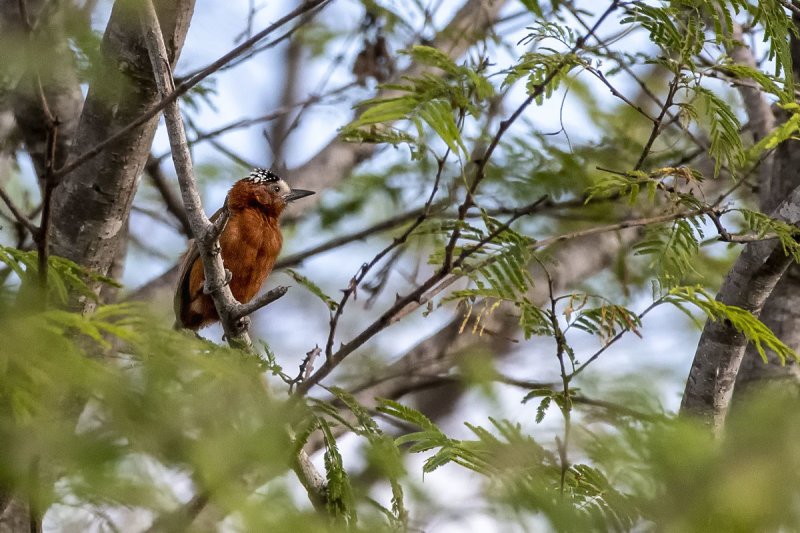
point(250, 243)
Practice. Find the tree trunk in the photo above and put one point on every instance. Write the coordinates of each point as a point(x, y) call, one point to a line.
point(92, 204)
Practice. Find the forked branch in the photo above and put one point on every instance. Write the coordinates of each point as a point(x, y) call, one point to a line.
point(207, 231)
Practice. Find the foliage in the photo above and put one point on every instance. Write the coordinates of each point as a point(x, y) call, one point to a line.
point(726, 145)
point(111, 412)
point(64, 277)
point(744, 321)
point(437, 101)
point(312, 288)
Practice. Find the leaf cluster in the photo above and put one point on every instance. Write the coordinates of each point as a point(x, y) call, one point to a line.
point(64, 277)
point(545, 62)
point(742, 320)
point(436, 100)
point(498, 267)
point(522, 474)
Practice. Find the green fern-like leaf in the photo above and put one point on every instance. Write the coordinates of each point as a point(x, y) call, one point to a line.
point(726, 143)
point(751, 327)
point(777, 26)
point(340, 499)
point(384, 447)
point(762, 225)
point(428, 99)
point(672, 249)
point(64, 277)
point(675, 30)
point(606, 321)
point(497, 264)
point(313, 288)
point(783, 132)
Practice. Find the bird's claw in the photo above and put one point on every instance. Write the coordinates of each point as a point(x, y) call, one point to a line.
point(242, 325)
point(209, 289)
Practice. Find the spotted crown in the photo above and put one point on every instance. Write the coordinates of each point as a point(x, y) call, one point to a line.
point(262, 175)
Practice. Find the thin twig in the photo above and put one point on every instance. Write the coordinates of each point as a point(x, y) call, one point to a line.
point(207, 232)
point(247, 49)
point(600, 76)
point(50, 182)
point(616, 337)
point(673, 88)
point(298, 258)
point(566, 405)
point(354, 282)
point(153, 170)
point(247, 122)
point(405, 305)
point(184, 87)
point(20, 217)
point(259, 301)
point(41, 237)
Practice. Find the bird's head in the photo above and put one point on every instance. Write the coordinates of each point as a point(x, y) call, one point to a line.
point(264, 190)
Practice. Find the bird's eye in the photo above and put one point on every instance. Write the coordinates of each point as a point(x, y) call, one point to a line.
point(276, 189)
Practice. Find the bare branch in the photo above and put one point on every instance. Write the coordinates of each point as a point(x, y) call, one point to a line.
point(393, 222)
point(171, 200)
point(184, 87)
point(207, 233)
point(428, 289)
point(18, 214)
point(673, 88)
point(260, 301)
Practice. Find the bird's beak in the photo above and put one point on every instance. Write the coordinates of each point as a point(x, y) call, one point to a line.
point(296, 194)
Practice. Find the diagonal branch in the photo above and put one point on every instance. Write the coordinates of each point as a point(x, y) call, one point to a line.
point(18, 215)
point(421, 295)
point(207, 232)
point(258, 302)
point(184, 87)
point(171, 200)
point(431, 362)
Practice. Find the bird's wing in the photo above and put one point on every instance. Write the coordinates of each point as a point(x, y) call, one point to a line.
point(187, 260)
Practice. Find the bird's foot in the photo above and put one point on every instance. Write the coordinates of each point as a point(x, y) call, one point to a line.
point(208, 289)
point(242, 325)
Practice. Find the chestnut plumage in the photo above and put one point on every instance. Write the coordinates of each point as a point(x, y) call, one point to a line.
point(250, 243)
